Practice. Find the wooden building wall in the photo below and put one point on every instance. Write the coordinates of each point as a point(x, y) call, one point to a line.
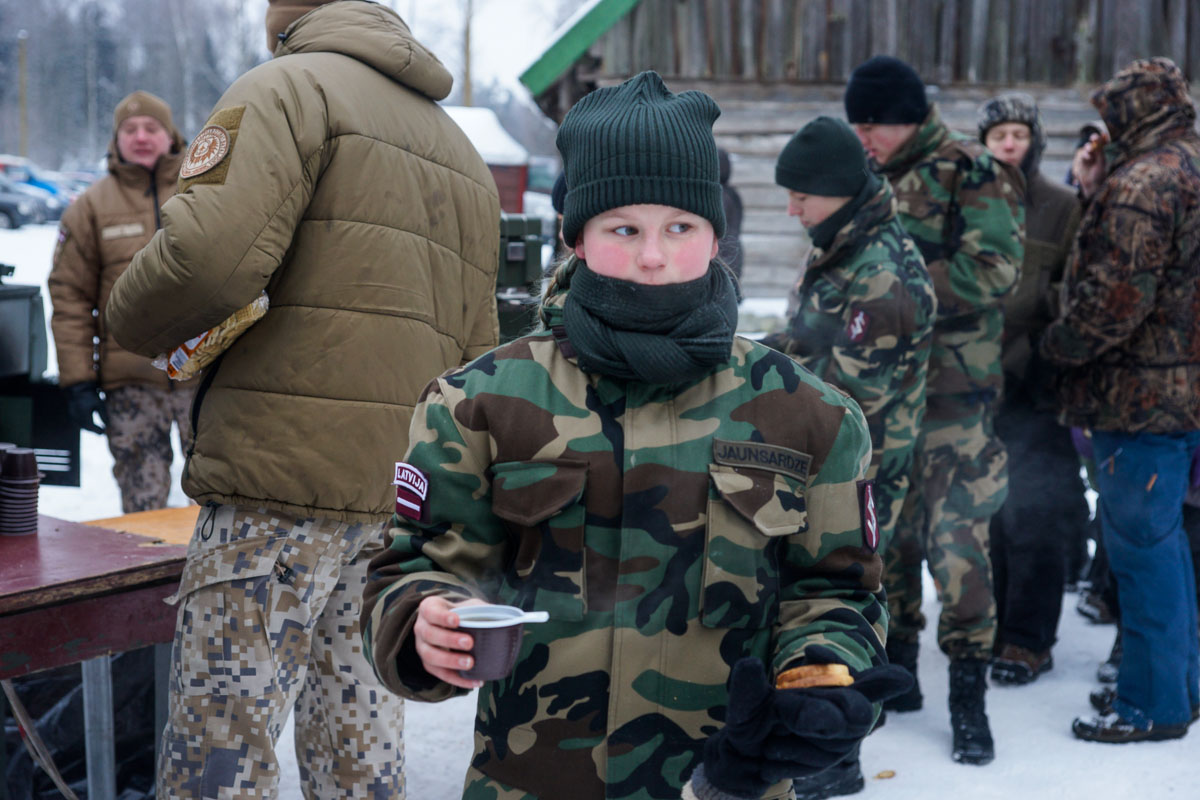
point(1056, 42)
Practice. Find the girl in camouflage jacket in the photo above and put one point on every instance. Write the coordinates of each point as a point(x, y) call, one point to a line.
point(684, 503)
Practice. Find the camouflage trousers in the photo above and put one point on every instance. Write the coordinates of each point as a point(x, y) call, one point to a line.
point(267, 626)
point(139, 438)
point(960, 479)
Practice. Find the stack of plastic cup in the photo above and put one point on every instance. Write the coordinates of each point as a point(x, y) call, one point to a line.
point(18, 491)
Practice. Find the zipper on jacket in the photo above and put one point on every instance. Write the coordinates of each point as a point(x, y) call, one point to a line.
point(154, 191)
point(201, 390)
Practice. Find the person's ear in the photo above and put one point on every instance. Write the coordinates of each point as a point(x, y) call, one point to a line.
point(578, 248)
point(715, 248)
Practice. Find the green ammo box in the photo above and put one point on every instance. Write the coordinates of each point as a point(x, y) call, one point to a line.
point(518, 281)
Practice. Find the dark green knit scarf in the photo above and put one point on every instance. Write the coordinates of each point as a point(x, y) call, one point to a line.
point(660, 334)
point(823, 233)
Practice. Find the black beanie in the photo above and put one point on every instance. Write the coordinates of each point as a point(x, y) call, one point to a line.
point(559, 193)
point(885, 91)
point(823, 158)
point(640, 143)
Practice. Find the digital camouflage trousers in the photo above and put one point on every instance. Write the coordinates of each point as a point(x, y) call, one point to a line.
point(960, 479)
point(267, 626)
point(139, 438)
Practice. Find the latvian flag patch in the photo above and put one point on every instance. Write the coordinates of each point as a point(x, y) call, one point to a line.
point(412, 487)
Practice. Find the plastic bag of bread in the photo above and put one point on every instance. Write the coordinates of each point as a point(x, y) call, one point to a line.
point(186, 360)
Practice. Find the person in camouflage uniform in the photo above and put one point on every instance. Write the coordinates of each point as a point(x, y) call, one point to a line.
point(864, 321)
point(867, 305)
point(687, 505)
point(963, 209)
point(1046, 509)
point(1129, 337)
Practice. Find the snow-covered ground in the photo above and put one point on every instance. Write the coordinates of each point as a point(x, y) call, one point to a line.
point(1037, 757)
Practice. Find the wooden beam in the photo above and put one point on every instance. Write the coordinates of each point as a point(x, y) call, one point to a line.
point(979, 37)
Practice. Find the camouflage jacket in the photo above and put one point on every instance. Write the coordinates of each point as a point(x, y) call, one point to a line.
point(1130, 322)
point(864, 324)
point(668, 531)
point(963, 209)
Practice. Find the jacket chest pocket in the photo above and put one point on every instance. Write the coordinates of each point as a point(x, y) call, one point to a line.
point(541, 503)
point(749, 510)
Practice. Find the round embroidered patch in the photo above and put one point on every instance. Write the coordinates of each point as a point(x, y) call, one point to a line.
point(207, 149)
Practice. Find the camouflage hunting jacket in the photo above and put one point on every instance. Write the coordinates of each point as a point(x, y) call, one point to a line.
point(1129, 328)
point(865, 324)
point(668, 531)
point(962, 207)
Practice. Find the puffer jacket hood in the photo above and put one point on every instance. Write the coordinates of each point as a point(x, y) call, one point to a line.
point(366, 32)
point(1141, 104)
point(1016, 107)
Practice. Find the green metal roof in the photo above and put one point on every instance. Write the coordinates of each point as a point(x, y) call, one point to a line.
point(580, 33)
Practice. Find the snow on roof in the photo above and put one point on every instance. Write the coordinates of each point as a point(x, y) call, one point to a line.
point(483, 128)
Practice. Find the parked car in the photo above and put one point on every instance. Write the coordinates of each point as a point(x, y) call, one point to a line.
point(16, 208)
point(22, 170)
point(49, 206)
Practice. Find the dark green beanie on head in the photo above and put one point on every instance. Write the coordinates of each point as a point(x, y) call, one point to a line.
point(823, 158)
point(640, 143)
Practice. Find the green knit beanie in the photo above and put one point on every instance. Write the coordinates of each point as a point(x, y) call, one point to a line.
point(823, 158)
point(640, 143)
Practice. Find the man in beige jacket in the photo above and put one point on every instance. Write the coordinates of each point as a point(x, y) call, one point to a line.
point(330, 178)
point(97, 237)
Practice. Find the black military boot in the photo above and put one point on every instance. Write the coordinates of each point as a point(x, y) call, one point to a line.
point(968, 716)
point(904, 653)
point(841, 779)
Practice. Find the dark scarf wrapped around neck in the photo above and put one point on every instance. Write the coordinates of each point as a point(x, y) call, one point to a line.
point(660, 334)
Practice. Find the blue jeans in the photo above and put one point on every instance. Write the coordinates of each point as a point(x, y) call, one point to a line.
point(1142, 479)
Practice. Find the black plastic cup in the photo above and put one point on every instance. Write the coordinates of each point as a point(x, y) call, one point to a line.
point(497, 632)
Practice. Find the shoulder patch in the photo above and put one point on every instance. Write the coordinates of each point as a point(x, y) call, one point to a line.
point(762, 456)
point(207, 150)
point(870, 522)
point(856, 330)
point(207, 158)
point(412, 487)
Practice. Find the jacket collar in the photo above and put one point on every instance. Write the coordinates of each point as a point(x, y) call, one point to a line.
point(877, 211)
point(929, 137)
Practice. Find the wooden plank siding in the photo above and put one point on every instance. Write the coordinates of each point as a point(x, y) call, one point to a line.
point(1006, 42)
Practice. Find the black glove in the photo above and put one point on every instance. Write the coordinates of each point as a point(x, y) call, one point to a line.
point(771, 734)
point(83, 400)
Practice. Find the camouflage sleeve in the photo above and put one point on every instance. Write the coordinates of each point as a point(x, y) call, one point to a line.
point(873, 351)
point(457, 550)
point(831, 590)
point(1113, 284)
point(984, 243)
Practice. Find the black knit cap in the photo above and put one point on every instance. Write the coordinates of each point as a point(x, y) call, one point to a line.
point(885, 91)
point(640, 143)
point(823, 158)
point(558, 194)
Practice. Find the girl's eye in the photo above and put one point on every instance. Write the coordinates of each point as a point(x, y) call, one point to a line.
point(624, 230)
point(680, 227)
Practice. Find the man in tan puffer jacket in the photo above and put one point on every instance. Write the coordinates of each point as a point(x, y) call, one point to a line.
point(98, 235)
point(330, 178)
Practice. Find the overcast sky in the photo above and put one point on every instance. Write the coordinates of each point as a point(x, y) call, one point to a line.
point(505, 36)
